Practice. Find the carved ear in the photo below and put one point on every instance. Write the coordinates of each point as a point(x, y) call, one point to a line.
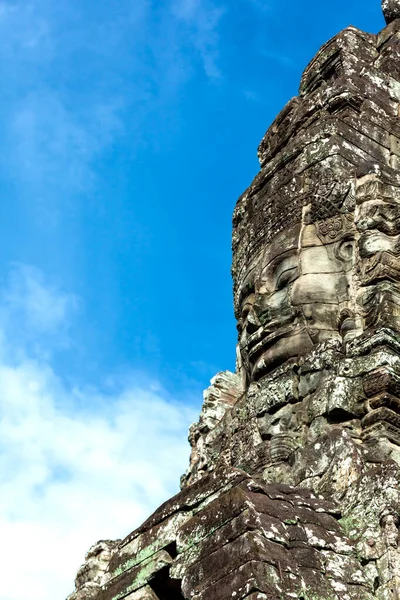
point(345, 250)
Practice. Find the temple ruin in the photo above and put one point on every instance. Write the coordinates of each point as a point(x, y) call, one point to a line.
point(293, 488)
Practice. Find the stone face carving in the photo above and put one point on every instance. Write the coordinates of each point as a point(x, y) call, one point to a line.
point(293, 488)
point(301, 289)
point(295, 295)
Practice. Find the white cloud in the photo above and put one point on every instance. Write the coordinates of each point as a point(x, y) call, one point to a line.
point(53, 148)
point(29, 299)
point(76, 465)
point(63, 97)
point(75, 81)
point(34, 314)
point(202, 19)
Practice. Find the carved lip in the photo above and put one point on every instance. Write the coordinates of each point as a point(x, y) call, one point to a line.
point(265, 336)
point(259, 347)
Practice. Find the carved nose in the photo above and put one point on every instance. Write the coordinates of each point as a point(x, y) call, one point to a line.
point(253, 322)
point(261, 309)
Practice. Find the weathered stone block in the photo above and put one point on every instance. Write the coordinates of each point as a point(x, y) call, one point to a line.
point(147, 544)
point(145, 593)
point(249, 520)
point(249, 547)
point(133, 579)
point(189, 498)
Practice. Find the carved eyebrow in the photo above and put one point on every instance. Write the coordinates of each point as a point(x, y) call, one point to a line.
point(249, 285)
point(247, 289)
point(280, 264)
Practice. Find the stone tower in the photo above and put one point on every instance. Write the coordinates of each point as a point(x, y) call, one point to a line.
point(293, 490)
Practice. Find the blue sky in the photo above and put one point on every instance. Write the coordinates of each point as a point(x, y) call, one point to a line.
point(127, 131)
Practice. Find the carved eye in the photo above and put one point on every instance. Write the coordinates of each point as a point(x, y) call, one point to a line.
point(287, 277)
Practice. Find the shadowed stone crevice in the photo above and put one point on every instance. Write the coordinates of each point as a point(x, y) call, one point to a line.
point(339, 416)
point(166, 588)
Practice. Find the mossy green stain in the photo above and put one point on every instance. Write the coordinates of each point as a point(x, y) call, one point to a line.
point(351, 526)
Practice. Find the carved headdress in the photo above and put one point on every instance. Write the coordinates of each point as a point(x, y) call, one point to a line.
point(332, 134)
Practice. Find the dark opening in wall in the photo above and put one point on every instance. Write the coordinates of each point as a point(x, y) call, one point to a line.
point(172, 550)
point(337, 416)
point(166, 588)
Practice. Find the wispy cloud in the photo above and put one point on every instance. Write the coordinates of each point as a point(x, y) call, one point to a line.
point(76, 464)
point(28, 299)
point(277, 57)
point(202, 19)
point(59, 140)
point(35, 316)
point(77, 79)
point(56, 122)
